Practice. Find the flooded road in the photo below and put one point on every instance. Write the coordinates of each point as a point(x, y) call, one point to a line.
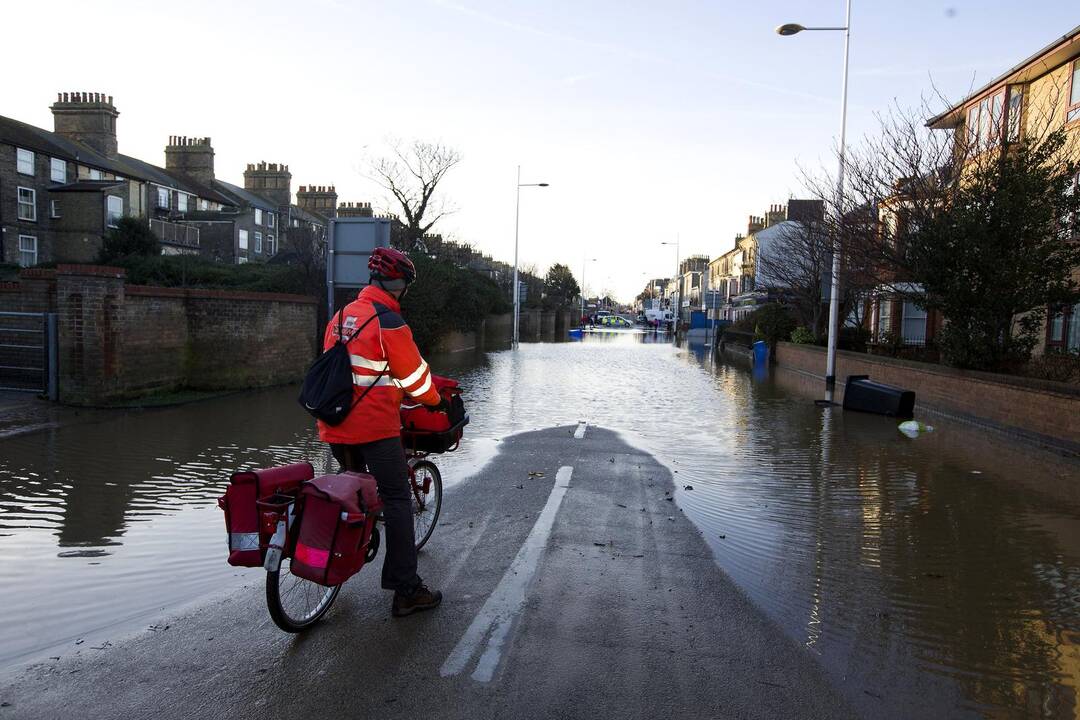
point(936, 576)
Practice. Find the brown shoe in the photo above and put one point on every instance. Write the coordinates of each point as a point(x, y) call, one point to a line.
point(420, 599)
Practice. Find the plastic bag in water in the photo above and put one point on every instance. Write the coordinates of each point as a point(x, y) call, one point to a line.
point(914, 428)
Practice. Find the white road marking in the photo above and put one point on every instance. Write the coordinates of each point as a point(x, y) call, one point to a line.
point(507, 600)
point(580, 432)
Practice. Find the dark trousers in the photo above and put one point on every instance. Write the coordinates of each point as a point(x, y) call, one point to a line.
point(385, 459)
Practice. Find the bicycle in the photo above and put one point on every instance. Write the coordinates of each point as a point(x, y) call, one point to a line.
point(295, 604)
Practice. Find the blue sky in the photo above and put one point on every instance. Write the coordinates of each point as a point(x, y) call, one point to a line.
point(648, 119)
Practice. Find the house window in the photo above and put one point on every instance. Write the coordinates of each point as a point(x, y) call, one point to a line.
point(95, 174)
point(269, 244)
point(27, 251)
point(243, 240)
point(24, 161)
point(58, 170)
point(295, 223)
point(1063, 329)
point(163, 198)
point(54, 208)
point(913, 324)
point(181, 201)
point(204, 204)
point(1016, 106)
point(114, 210)
point(258, 242)
point(270, 219)
point(27, 204)
point(240, 260)
point(984, 121)
point(1073, 113)
point(258, 216)
point(884, 323)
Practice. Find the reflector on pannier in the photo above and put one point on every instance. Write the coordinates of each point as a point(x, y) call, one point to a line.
point(246, 547)
point(337, 514)
point(425, 430)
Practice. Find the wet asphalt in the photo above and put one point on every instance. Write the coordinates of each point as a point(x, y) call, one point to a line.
point(625, 614)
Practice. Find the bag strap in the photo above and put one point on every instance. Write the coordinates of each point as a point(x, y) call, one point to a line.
point(385, 369)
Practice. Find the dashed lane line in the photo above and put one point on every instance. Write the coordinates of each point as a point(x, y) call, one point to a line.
point(580, 432)
point(507, 600)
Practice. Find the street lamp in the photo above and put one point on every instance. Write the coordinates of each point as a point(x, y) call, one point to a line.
point(583, 261)
point(678, 291)
point(834, 290)
point(517, 215)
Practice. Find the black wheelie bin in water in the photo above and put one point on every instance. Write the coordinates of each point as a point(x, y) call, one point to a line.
point(863, 394)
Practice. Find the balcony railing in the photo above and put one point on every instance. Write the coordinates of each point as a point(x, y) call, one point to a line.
point(170, 233)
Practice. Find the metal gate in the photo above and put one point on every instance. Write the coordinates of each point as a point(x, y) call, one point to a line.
point(28, 353)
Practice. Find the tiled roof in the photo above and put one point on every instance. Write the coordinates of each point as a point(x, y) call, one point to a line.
point(14, 132)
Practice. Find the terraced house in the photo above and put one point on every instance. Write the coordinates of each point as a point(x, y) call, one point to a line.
point(1042, 92)
point(61, 192)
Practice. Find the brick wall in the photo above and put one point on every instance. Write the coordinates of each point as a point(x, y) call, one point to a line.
point(1040, 410)
point(119, 341)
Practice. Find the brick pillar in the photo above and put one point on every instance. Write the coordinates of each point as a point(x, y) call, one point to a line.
point(88, 301)
point(37, 288)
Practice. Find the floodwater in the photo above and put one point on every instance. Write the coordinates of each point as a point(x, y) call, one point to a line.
point(933, 577)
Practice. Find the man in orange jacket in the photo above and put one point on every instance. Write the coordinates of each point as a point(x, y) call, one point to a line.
point(386, 360)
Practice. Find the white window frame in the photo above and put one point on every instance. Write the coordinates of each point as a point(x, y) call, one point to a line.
point(58, 170)
point(258, 242)
point(270, 244)
point(181, 201)
point(112, 214)
point(258, 216)
point(204, 204)
point(242, 239)
point(24, 161)
point(34, 251)
point(167, 198)
point(241, 259)
point(54, 209)
point(269, 219)
point(32, 204)
point(94, 174)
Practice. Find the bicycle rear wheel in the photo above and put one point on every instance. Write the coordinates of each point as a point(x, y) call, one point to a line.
point(426, 504)
point(295, 604)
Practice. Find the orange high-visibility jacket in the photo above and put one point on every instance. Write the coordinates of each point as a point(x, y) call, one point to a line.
point(385, 343)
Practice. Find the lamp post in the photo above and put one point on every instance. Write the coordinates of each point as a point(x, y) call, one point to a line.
point(678, 291)
point(583, 261)
point(834, 289)
point(517, 215)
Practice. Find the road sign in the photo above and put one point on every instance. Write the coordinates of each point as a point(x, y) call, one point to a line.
point(349, 245)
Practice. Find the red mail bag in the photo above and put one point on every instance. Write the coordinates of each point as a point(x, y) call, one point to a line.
point(246, 537)
point(336, 516)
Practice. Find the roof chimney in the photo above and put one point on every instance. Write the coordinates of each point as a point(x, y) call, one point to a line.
point(190, 156)
point(271, 180)
point(88, 118)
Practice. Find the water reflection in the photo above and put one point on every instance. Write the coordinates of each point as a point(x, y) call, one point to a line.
point(934, 576)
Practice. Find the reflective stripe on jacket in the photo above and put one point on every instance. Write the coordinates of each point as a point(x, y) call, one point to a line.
point(384, 347)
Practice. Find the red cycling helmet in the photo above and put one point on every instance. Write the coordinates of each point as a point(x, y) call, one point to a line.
point(388, 264)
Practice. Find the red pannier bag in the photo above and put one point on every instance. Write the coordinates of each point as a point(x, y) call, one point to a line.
point(247, 546)
point(336, 516)
point(430, 431)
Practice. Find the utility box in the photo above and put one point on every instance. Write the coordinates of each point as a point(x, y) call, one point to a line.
point(864, 395)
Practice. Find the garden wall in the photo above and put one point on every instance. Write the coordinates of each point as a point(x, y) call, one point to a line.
point(1040, 410)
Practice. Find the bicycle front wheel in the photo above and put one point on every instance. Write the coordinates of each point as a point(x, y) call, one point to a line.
point(427, 500)
point(295, 604)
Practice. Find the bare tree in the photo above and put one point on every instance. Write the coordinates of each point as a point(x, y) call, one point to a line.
point(411, 175)
point(972, 219)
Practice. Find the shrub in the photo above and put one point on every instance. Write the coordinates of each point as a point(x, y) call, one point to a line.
point(130, 238)
point(772, 322)
point(802, 336)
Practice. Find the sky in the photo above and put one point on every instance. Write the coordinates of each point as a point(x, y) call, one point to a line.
point(652, 121)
